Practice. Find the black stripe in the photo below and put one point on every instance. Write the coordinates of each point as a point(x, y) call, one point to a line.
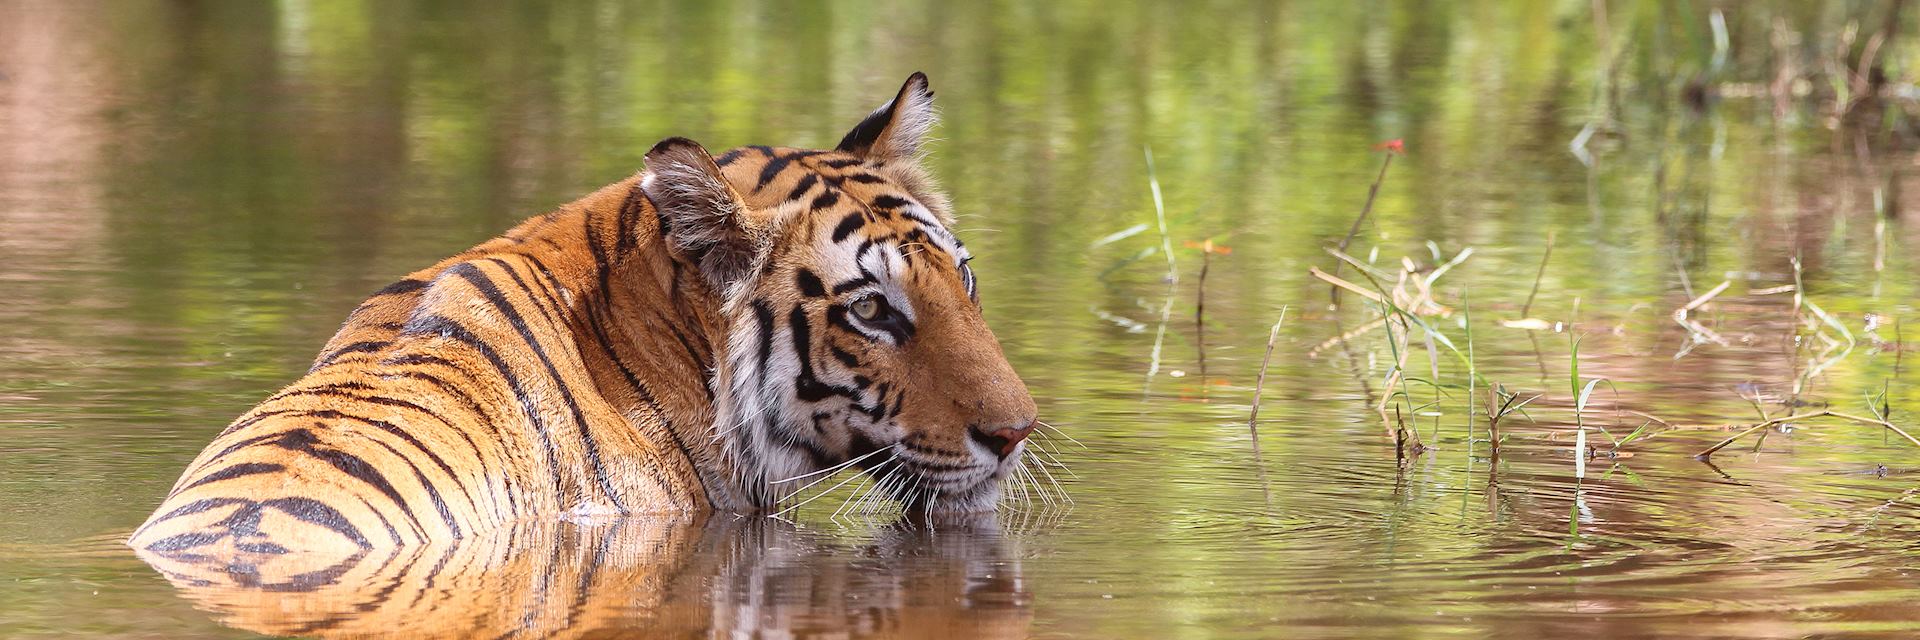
point(315, 512)
point(805, 385)
point(772, 170)
point(236, 471)
point(395, 533)
point(848, 225)
point(409, 438)
point(844, 357)
point(408, 285)
point(602, 269)
point(764, 315)
point(479, 455)
point(810, 285)
point(922, 220)
point(303, 441)
point(186, 541)
point(806, 184)
point(191, 508)
point(243, 443)
point(630, 217)
point(825, 200)
point(850, 285)
point(367, 346)
point(548, 307)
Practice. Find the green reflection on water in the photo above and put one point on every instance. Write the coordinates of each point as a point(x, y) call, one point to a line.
point(193, 194)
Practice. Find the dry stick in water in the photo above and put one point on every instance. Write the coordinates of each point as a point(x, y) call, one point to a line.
point(1253, 416)
point(1261, 381)
point(1537, 276)
point(1372, 192)
point(1200, 312)
point(1708, 453)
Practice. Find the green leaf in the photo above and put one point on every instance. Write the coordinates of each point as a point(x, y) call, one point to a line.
point(1581, 405)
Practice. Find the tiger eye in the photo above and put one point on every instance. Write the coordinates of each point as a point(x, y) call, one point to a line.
point(866, 308)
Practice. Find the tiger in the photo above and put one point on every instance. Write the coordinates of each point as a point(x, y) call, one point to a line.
point(689, 339)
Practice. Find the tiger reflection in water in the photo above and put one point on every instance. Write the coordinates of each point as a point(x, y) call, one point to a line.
point(643, 577)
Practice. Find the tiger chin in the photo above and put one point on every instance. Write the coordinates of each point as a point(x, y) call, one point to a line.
point(703, 336)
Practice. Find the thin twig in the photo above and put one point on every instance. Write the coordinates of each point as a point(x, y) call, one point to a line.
point(1260, 382)
point(1528, 307)
point(1708, 453)
point(1372, 192)
point(1200, 312)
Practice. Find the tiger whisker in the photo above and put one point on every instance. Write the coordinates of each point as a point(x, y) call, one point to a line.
point(905, 477)
point(933, 498)
point(1046, 497)
point(878, 501)
point(921, 494)
point(851, 506)
point(1043, 488)
point(1023, 480)
point(850, 496)
point(1042, 446)
point(923, 491)
point(1048, 458)
point(796, 492)
point(1010, 492)
point(1063, 468)
point(1056, 484)
point(1019, 484)
point(831, 469)
point(865, 505)
point(829, 489)
point(1062, 433)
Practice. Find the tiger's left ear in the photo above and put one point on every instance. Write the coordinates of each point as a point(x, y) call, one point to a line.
point(703, 219)
point(895, 130)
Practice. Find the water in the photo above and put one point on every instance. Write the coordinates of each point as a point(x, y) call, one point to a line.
point(192, 195)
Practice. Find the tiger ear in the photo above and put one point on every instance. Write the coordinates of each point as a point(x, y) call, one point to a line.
point(897, 128)
point(702, 218)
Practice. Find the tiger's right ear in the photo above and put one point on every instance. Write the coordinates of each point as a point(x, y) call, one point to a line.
point(702, 218)
point(896, 130)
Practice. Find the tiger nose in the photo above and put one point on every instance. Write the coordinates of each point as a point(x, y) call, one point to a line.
point(1001, 440)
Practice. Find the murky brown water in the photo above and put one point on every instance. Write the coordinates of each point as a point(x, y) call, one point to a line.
point(193, 194)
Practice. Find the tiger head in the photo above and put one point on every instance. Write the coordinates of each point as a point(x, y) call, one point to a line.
point(853, 329)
